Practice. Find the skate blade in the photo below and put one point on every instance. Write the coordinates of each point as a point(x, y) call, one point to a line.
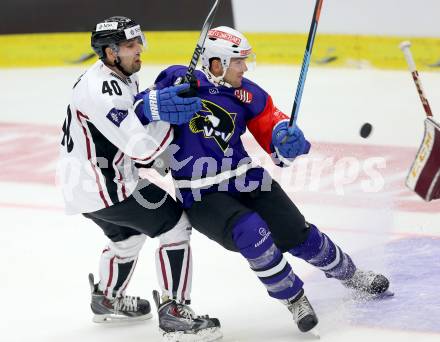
point(384, 295)
point(365, 297)
point(204, 335)
point(117, 319)
point(314, 333)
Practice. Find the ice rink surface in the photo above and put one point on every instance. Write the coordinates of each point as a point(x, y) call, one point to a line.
point(352, 188)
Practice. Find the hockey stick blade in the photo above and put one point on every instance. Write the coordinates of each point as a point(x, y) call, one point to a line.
point(83, 58)
point(435, 65)
point(326, 60)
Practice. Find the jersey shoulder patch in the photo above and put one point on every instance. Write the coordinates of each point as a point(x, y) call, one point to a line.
point(252, 95)
point(116, 116)
point(244, 95)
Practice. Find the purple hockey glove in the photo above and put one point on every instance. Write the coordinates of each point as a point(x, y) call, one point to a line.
point(289, 146)
point(166, 105)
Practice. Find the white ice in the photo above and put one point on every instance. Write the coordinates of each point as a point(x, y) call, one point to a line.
point(46, 255)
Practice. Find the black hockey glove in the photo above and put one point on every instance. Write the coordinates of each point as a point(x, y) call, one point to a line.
point(193, 86)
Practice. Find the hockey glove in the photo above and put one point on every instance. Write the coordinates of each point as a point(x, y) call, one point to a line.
point(166, 105)
point(192, 91)
point(289, 146)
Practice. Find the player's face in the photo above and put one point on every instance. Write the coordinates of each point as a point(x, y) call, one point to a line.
point(130, 55)
point(235, 71)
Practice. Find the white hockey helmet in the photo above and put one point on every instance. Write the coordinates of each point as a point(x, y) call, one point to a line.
point(225, 43)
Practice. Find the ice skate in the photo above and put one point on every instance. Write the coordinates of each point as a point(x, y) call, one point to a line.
point(179, 323)
point(303, 313)
point(369, 283)
point(122, 309)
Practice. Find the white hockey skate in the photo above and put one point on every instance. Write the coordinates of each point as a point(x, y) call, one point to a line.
point(122, 309)
point(303, 313)
point(179, 323)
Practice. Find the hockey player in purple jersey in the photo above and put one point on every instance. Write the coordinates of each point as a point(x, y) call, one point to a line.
point(235, 202)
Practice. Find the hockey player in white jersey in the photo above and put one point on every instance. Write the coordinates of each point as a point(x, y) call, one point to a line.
point(103, 140)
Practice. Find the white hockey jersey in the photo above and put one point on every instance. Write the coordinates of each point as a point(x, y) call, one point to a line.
point(102, 139)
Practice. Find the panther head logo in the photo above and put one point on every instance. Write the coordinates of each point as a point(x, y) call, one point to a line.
point(215, 123)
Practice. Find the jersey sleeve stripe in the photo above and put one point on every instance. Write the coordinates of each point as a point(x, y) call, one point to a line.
point(165, 142)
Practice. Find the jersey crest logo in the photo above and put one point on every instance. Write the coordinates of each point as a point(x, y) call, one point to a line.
point(243, 95)
point(117, 116)
point(215, 123)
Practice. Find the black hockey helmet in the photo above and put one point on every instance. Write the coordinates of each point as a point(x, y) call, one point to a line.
point(114, 30)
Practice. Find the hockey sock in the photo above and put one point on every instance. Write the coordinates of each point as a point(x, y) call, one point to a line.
point(320, 251)
point(174, 270)
point(118, 261)
point(252, 237)
point(174, 262)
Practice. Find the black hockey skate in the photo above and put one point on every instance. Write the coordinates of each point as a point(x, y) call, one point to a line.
point(368, 282)
point(303, 313)
point(122, 309)
point(179, 323)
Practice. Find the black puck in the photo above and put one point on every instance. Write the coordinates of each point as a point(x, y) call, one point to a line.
point(366, 130)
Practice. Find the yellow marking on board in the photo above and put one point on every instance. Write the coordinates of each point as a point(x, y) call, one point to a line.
point(357, 51)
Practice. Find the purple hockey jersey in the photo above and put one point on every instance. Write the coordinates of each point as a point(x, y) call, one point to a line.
point(207, 154)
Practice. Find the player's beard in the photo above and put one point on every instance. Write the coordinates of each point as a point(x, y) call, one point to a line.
point(136, 66)
point(133, 67)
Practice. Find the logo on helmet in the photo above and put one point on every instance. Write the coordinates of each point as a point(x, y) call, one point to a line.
point(106, 26)
point(225, 36)
point(133, 32)
point(245, 52)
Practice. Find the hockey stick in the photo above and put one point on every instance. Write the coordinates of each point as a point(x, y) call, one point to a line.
point(83, 58)
point(305, 65)
point(405, 47)
point(201, 42)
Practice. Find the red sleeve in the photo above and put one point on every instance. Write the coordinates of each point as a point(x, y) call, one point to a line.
point(261, 125)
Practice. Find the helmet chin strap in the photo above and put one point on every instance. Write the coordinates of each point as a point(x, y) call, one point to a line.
point(216, 80)
point(117, 62)
point(120, 68)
